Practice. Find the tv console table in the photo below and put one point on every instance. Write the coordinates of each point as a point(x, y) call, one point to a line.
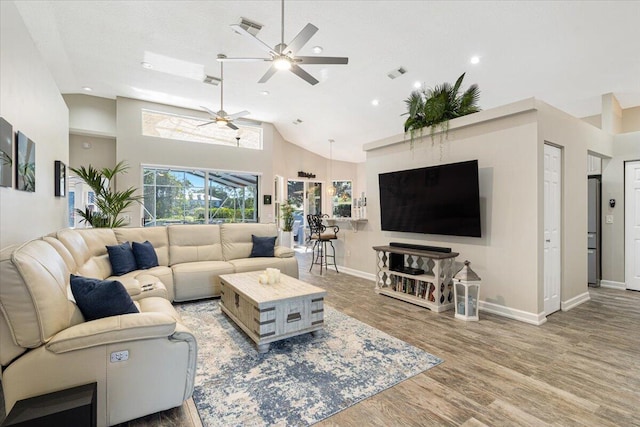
point(432, 289)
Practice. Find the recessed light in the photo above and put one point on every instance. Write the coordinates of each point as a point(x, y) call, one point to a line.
point(264, 92)
point(87, 89)
point(146, 65)
point(317, 49)
point(417, 85)
point(375, 102)
point(475, 60)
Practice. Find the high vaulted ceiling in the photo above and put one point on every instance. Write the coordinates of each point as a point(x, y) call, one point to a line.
point(566, 53)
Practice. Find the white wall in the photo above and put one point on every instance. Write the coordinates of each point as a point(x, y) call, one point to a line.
point(626, 147)
point(101, 152)
point(91, 115)
point(31, 102)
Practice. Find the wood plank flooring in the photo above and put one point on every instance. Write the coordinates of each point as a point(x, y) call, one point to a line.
point(581, 368)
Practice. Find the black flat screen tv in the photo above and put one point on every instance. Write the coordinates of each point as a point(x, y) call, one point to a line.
point(442, 199)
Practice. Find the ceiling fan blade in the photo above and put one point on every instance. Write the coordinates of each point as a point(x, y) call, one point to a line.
point(303, 74)
point(232, 126)
point(213, 113)
point(321, 60)
point(238, 115)
point(244, 59)
point(262, 45)
point(301, 39)
point(208, 123)
point(270, 72)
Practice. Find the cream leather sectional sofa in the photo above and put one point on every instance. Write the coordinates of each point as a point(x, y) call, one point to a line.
point(46, 345)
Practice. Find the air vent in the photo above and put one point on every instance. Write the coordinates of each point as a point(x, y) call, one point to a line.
point(251, 27)
point(297, 121)
point(210, 80)
point(394, 74)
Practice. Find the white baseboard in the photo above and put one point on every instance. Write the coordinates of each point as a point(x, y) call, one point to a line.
point(575, 301)
point(613, 285)
point(512, 313)
point(357, 273)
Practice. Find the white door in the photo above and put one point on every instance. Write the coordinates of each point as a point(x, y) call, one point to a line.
point(552, 231)
point(632, 225)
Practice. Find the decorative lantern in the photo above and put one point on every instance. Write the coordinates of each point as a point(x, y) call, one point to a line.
point(466, 290)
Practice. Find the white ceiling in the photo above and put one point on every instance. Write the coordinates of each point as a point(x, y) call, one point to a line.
point(566, 53)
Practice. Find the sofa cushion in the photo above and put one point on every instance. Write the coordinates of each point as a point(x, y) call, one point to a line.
point(101, 298)
point(145, 255)
point(236, 238)
point(196, 242)
point(262, 246)
point(253, 264)
point(156, 235)
point(88, 249)
point(195, 280)
point(121, 258)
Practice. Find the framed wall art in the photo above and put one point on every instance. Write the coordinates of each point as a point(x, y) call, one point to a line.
point(6, 153)
point(25, 163)
point(60, 179)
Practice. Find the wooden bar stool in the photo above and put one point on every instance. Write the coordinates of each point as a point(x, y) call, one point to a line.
point(320, 235)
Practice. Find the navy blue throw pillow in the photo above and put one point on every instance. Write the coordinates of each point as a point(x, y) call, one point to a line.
point(145, 255)
point(122, 259)
point(262, 246)
point(101, 298)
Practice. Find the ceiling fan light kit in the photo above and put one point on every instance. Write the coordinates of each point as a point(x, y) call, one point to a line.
point(283, 56)
point(220, 117)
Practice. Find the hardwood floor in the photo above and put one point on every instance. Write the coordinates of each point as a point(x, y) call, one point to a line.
point(582, 367)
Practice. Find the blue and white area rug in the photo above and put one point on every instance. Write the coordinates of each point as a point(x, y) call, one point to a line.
point(301, 380)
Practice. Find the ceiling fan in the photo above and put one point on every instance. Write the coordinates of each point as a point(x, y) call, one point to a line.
point(221, 118)
point(283, 56)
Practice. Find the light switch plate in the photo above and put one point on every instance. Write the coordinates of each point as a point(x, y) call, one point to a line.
point(608, 219)
point(119, 356)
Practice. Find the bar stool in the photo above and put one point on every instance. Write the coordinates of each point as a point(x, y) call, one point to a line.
point(321, 236)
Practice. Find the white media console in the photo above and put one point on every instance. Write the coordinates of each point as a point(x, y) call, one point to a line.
point(433, 288)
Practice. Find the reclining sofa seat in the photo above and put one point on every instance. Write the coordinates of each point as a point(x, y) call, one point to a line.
point(45, 344)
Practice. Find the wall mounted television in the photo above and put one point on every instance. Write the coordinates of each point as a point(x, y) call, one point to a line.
point(442, 199)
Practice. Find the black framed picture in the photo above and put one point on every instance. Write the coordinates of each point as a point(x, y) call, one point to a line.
point(60, 179)
point(25, 163)
point(6, 153)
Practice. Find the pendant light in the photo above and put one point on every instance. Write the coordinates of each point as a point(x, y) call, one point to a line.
point(331, 190)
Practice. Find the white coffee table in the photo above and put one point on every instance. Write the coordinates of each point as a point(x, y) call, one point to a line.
point(268, 313)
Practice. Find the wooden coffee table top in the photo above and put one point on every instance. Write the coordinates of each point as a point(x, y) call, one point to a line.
point(247, 284)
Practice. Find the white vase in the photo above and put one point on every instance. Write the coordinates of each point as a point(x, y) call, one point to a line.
point(286, 239)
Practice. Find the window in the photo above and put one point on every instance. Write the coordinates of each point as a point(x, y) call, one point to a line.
point(180, 196)
point(183, 128)
point(342, 201)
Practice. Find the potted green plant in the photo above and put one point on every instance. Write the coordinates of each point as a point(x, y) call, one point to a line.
point(434, 107)
point(109, 202)
point(286, 221)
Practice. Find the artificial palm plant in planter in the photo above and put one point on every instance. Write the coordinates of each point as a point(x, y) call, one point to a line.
point(286, 216)
point(109, 202)
point(434, 107)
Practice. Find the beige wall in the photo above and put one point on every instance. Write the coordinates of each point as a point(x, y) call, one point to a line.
point(626, 147)
point(576, 139)
point(91, 115)
point(507, 255)
point(509, 144)
point(631, 120)
point(594, 120)
point(140, 150)
point(31, 102)
point(101, 152)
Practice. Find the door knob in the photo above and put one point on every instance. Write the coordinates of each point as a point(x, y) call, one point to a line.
point(548, 240)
